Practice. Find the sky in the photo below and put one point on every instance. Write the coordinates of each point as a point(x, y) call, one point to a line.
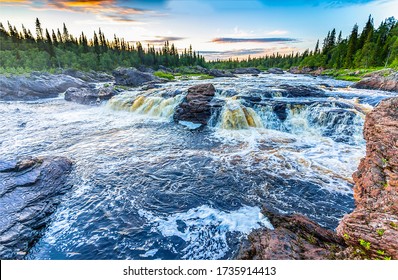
point(218, 29)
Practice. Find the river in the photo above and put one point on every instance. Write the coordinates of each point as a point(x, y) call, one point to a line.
point(145, 187)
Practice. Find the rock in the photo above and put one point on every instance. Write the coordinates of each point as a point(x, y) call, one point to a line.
point(294, 237)
point(220, 73)
point(301, 91)
point(196, 106)
point(372, 228)
point(133, 77)
point(91, 76)
point(165, 69)
point(30, 190)
point(36, 86)
point(277, 71)
point(249, 70)
point(381, 80)
point(90, 96)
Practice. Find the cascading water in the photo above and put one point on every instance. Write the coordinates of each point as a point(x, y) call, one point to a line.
point(156, 106)
point(237, 116)
point(147, 188)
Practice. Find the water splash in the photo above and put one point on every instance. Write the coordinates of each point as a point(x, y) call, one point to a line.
point(237, 116)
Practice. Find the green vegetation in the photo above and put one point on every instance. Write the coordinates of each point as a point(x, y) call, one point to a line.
point(371, 48)
point(346, 236)
point(384, 161)
point(380, 231)
point(21, 52)
point(164, 75)
point(360, 52)
point(364, 244)
point(380, 252)
point(387, 258)
point(394, 225)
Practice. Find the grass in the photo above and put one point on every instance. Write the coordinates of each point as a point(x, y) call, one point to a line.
point(193, 76)
point(380, 231)
point(364, 244)
point(352, 75)
point(163, 75)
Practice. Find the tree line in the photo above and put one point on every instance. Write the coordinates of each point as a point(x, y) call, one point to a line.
point(372, 47)
point(59, 49)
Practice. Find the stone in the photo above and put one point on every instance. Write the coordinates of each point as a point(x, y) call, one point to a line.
point(36, 86)
point(90, 96)
point(30, 190)
point(294, 237)
point(133, 77)
point(196, 106)
point(249, 70)
point(277, 71)
point(220, 73)
point(375, 218)
point(380, 80)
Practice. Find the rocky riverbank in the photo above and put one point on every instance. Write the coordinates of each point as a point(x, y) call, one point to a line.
point(370, 231)
point(381, 80)
point(30, 190)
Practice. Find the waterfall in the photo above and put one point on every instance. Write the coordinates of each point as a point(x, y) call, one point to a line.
point(156, 106)
point(237, 116)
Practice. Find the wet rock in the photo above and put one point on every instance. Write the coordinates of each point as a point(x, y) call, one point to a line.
point(91, 76)
point(134, 78)
point(294, 237)
point(196, 106)
point(90, 96)
point(372, 228)
point(30, 190)
point(220, 73)
point(381, 80)
point(36, 86)
point(277, 71)
point(165, 69)
point(249, 70)
point(301, 91)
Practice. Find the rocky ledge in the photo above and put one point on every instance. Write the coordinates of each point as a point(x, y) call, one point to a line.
point(372, 228)
point(30, 190)
point(90, 96)
point(370, 231)
point(294, 237)
point(381, 80)
point(134, 78)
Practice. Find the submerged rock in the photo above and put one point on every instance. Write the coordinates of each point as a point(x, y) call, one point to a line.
point(36, 86)
point(196, 106)
point(294, 237)
point(381, 80)
point(90, 96)
point(30, 190)
point(372, 228)
point(133, 77)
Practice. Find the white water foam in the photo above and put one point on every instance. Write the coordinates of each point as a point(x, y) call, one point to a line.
point(205, 228)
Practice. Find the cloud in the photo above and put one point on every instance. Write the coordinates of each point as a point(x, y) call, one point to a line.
point(252, 40)
point(162, 39)
point(315, 3)
point(278, 32)
point(232, 53)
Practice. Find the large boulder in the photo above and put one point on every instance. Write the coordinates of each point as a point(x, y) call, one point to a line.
point(220, 73)
point(372, 228)
point(30, 190)
point(36, 86)
point(381, 80)
point(133, 77)
point(90, 96)
point(249, 70)
point(196, 106)
point(294, 237)
point(277, 71)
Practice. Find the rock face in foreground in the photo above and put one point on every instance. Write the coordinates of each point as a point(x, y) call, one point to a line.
point(196, 106)
point(382, 80)
point(372, 228)
point(89, 96)
point(294, 237)
point(30, 190)
point(133, 77)
point(36, 86)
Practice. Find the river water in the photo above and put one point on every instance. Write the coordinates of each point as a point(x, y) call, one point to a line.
point(145, 187)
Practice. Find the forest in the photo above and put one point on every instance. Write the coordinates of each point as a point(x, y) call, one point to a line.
point(21, 51)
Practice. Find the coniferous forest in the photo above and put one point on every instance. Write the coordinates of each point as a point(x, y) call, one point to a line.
point(21, 51)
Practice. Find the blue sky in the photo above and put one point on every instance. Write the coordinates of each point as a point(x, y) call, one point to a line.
point(217, 28)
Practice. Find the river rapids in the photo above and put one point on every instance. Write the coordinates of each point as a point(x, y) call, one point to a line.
point(145, 187)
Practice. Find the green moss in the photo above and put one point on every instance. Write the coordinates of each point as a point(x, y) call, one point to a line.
point(163, 75)
point(364, 244)
point(394, 225)
point(387, 258)
point(346, 236)
point(380, 252)
point(380, 231)
point(348, 78)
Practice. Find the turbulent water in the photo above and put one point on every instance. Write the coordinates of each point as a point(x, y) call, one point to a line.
point(145, 187)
